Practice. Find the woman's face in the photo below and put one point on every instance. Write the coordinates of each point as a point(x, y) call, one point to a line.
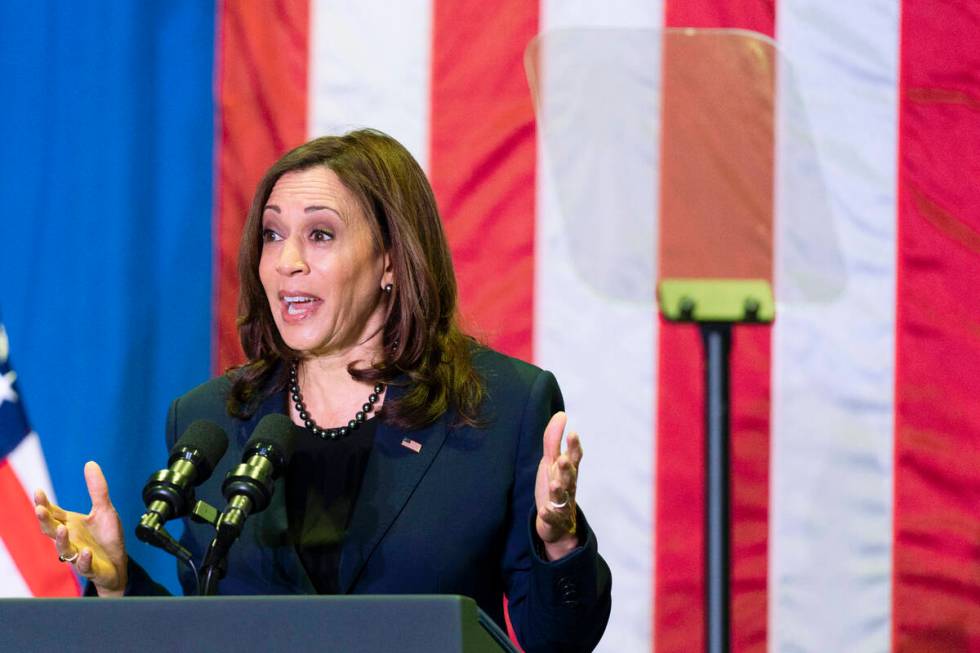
point(322, 272)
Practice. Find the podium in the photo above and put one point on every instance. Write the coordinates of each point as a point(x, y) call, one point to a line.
point(238, 624)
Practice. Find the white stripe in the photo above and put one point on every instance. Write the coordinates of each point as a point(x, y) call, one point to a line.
point(12, 584)
point(833, 367)
point(597, 330)
point(370, 67)
point(27, 461)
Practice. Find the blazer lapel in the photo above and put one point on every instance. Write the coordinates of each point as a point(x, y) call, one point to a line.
point(274, 403)
point(272, 528)
point(393, 472)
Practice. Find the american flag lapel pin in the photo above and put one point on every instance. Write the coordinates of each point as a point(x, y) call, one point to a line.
point(409, 443)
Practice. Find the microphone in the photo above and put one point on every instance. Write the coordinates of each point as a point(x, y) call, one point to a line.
point(169, 493)
point(249, 486)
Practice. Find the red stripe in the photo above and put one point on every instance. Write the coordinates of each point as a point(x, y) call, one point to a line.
point(262, 95)
point(482, 163)
point(679, 555)
point(756, 15)
point(936, 564)
point(32, 552)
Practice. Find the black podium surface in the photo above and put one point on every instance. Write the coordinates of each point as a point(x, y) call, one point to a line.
point(239, 624)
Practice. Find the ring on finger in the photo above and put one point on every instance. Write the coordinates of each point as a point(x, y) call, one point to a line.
point(72, 558)
point(564, 502)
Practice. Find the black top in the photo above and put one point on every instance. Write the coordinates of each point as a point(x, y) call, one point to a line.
point(322, 483)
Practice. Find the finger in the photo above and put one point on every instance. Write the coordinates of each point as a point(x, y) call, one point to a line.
point(84, 563)
point(574, 449)
point(99, 569)
point(556, 492)
point(49, 525)
point(561, 467)
point(98, 489)
point(61, 541)
point(41, 499)
point(561, 519)
point(566, 474)
point(560, 495)
point(552, 435)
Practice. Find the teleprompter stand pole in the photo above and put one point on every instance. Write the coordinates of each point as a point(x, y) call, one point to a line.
point(717, 338)
point(716, 305)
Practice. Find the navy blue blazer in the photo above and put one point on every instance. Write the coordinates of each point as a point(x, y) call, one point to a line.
point(455, 518)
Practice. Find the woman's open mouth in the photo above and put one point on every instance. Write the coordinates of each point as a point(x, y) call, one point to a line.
point(296, 307)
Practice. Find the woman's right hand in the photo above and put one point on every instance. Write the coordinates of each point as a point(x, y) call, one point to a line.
point(97, 537)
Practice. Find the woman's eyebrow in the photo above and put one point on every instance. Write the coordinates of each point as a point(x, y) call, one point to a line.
point(316, 207)
point(310, 209)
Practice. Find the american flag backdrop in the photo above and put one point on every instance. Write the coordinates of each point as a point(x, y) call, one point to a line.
point(28, 560)
point(856, 468)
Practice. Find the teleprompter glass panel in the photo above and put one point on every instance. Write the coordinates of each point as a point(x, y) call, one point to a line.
point(682, 154)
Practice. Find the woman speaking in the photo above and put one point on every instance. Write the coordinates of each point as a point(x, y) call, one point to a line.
point(426, 463)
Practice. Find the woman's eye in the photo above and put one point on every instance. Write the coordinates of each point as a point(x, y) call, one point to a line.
point(320, 235)
point(268, 235)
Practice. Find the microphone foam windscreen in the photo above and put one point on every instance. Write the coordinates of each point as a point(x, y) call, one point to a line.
point(206, 437)
point(276, 430)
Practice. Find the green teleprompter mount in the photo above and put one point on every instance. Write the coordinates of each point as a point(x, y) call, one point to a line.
point(716, 305)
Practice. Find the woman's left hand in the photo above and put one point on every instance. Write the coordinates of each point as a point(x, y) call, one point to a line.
point(554, 489)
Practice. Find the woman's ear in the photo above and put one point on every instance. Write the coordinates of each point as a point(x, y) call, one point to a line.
point(388, 278)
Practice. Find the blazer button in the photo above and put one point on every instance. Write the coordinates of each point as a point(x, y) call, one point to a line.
point(568, 592)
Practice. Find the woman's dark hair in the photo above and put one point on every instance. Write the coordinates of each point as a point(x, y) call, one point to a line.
point(421, 335)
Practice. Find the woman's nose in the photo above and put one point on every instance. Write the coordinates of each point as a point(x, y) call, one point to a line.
point(291, 259)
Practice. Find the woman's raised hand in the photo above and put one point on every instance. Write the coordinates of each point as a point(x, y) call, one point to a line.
point(93, 542)
point(554, 489)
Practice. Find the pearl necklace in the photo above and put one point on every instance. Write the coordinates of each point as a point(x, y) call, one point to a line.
point(333, 433)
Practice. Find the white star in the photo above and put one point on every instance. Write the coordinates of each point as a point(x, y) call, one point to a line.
point(7, 387)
